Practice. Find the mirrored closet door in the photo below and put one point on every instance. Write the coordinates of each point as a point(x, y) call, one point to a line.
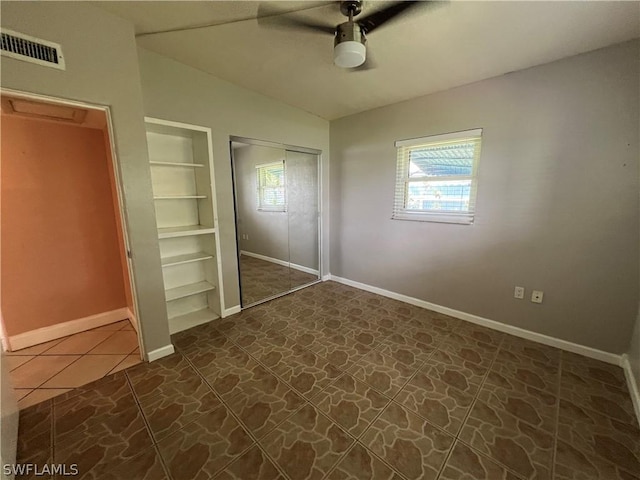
point(277, 221)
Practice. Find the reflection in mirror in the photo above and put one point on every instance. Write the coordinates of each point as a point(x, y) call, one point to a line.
point(276, 195)
point(302, 195)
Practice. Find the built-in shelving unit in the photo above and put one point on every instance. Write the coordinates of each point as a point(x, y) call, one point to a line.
point(182, 174)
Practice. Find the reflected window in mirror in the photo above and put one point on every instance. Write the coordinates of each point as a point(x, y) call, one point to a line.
point(271, 182)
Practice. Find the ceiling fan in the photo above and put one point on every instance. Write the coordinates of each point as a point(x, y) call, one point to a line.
point(350, 37)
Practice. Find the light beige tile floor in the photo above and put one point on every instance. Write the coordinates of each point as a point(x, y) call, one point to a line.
point(50, 369)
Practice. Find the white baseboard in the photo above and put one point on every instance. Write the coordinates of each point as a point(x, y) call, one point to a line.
point(231, 311)
point(284, 263)
point(53, 332)
point(133, 320)
point(159, 353)
point(485, 322)
point(326, 278)
point(634, 388)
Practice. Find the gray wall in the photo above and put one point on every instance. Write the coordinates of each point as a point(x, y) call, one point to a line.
point(174, 91)
point(557, 205)
point(102, 68)
point(268, 231)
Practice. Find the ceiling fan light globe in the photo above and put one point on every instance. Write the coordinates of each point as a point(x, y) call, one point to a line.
point(349, 54)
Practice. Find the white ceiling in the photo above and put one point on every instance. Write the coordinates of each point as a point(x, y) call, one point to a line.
point(441, 46)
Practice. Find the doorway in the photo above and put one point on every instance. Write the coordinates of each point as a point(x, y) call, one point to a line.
point(66, 294)
point(277, 218)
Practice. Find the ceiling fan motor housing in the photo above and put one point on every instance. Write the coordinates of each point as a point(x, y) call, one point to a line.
point(349, 32)
point(349, 45)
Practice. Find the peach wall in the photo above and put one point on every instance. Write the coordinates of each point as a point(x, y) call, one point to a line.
point(60, 257)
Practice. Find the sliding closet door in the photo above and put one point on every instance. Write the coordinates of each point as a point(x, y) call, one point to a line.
point(277, 220)
point(261, 221)
point(302, 192)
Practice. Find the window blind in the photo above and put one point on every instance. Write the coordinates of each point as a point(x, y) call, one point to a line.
point(437, 177)
point(271, 192)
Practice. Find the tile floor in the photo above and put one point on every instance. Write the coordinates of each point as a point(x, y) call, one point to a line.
point(332, 382)
point(53, 368)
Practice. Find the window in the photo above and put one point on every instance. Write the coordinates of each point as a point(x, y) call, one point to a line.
point(436, 177)
point(272, 196)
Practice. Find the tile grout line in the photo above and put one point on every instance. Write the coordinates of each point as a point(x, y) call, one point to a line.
point(557, 415)
point(154, 444)
point(382, 410)
point(604, 412)
point(53, 431)
point(306, 401)
point(71, 336)
point(312, 400)
point(391, 400)
point(344, 372)
point(588, 409)
point(471, 447)
point(79, 355)
point(111, 372)
point(278, 376)
point(57, 373)
point(466, 417)
point(233, 414)
point(153, 437)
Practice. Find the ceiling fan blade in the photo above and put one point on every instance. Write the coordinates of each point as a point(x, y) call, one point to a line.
point(379, 18)
point(270, 17)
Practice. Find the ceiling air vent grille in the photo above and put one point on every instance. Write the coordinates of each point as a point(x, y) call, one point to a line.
point(30, 49)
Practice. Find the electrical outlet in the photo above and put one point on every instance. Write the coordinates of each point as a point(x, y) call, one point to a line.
point(536, 296)
point(518, 293)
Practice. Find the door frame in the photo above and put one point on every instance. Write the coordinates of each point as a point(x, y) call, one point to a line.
point(115, 166)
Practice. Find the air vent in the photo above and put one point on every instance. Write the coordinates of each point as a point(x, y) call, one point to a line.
point(30, 49)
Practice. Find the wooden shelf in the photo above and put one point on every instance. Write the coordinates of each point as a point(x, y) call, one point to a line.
point(186, 231)
point(191, 319)
point(187, 258)
point(179, 197)
point(178, 164)
point(188, 290)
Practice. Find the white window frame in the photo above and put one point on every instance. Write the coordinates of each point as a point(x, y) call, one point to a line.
point(403, 180)
point(260, 188)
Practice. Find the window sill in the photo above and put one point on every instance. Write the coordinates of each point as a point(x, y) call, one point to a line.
point(464, 219)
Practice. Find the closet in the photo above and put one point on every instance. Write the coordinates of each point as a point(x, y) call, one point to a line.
point(181, 162)
point(276, 195)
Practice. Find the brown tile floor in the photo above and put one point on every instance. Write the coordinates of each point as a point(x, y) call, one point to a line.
point(261, 279)
point(332, 382)
point(53, 368)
